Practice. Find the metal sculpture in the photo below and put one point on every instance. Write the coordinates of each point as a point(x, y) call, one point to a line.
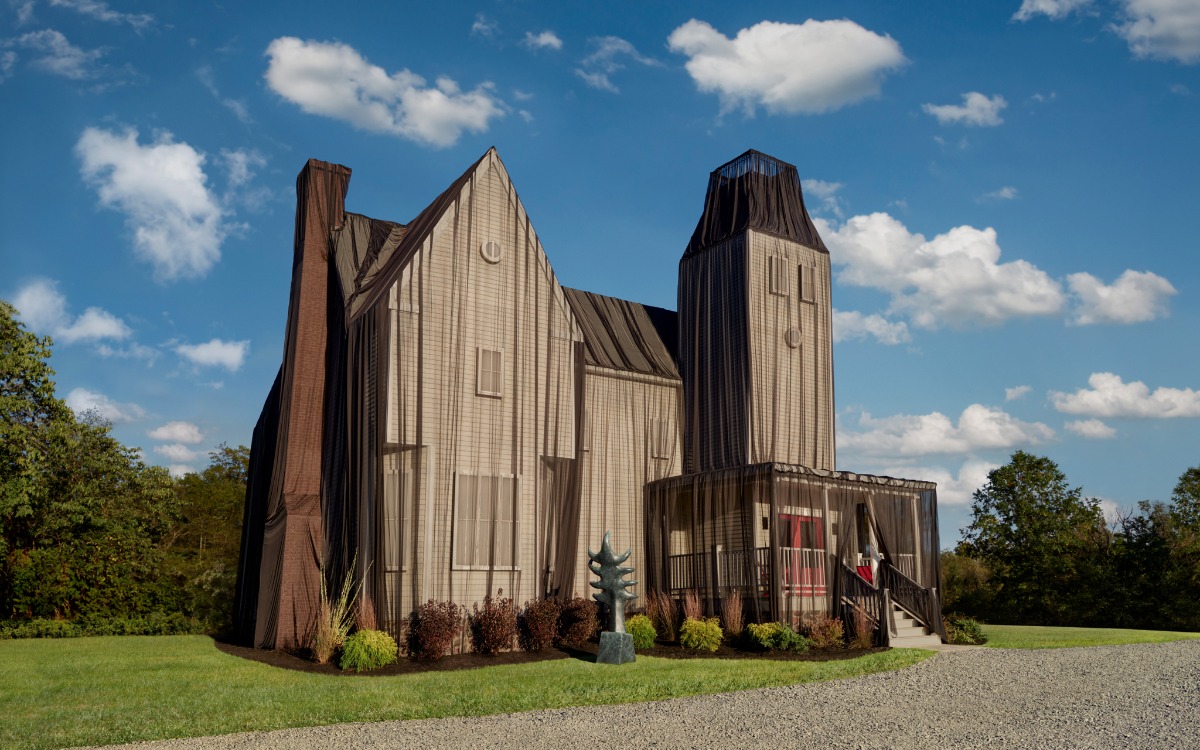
point(612, 585)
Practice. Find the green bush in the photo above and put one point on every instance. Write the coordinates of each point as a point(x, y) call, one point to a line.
point(642, 630)
point(155, 623)
point(963, 630)
point(368, 649)
point(824, 631)
point(775, 636)
point(702, 635)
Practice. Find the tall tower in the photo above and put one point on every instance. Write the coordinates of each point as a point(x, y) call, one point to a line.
point(755, 324)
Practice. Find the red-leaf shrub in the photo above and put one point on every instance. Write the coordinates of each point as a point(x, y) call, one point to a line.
point(577, 622)
point(538, 623)
point(432, 629)
point(493, 626)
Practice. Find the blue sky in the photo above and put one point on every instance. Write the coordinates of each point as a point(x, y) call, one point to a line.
point(1008, 191)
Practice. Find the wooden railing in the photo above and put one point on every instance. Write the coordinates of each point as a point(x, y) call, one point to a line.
point(858, 594)
point(802, 571)
point(907, 593)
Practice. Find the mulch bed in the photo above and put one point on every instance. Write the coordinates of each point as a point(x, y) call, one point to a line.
point(665, 649)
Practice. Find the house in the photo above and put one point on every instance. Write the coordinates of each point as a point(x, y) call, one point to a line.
point(451, 421)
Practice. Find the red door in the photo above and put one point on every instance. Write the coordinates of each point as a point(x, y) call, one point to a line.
point(802, 546)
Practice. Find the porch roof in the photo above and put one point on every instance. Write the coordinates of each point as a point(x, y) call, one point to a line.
point(842, 477)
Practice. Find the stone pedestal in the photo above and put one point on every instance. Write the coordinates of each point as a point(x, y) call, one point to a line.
point(615, 648)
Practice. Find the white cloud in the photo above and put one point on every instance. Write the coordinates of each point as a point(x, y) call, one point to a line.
point(44, 310)
point(1109, 396)
point(526, 115)
point(1006, 193)
point(1054, 9)
point(979, 427)
point(1092, 429)
point(808, 68)
point(176, 452)
point(956, 278)
point(484, 27)
point(976, 109)
point(610, 56)
point(8, 61)
point(826, 192)
point(545, 40)
point(241, 165)
point(132, 350)
point(1135, 297)
point(216, 353)
point(848, 325)
point(101, 12)
point(178, 432)
point(162, 190)
point(1162, 29)
point(951, 490)
point(1016, 392)
point(179, 470)
point(238, 107)
point(82, 400)
point(24, 10)
point(333, 80)
point(56, 55)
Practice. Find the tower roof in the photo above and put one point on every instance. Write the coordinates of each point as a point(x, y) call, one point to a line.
point(754, 191)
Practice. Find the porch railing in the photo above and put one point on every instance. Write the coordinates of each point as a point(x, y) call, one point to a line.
point(859, 595)
point(802, 571)
point(907, 593)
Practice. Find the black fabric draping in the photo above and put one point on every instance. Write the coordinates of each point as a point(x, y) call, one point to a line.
point(622, 335)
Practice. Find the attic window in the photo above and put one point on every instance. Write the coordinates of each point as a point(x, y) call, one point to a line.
point(491, 251)
point(777, 272)
point(807, 291)
point(489, 374)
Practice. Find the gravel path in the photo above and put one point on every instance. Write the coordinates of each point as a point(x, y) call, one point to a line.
point(1138, 696)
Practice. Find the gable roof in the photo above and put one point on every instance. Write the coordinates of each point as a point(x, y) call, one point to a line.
point(623, 335)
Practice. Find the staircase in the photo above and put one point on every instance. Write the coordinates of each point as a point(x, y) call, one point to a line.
point(910, 633)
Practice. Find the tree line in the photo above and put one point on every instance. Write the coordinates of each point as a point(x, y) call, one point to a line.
point(88, 530)
point(1037, 552)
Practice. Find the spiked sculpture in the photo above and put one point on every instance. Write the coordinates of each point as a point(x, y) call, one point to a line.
point(616, 646)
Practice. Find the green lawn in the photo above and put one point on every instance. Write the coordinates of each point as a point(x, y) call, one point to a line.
point(107, 690)
point(1030, 636)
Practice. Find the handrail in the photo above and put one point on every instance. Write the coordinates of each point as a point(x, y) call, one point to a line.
point(907, 593)
point(858, 593)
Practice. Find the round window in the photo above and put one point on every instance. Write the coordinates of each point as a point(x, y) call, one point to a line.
point(491, 251)
point(792, 337)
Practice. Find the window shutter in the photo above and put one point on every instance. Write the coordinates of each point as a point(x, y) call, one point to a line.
point(807, 291)
point(777, 273)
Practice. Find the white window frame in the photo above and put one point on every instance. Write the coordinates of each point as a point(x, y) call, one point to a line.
point(462, 525)
point(489, 381)
point(808, 284)
point(777, 275)
point(660, 436)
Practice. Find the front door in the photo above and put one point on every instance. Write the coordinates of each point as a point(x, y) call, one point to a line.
point(802, 548)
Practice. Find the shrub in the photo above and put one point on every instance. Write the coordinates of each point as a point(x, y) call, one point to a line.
point(691, 606)
point(432, 628)
point(642, 630)
point(731, 613)
point(864, 630)
point(368, 649)
point(334, 618)
point(702, 635)
point(775, 636)
point(963, 630)
point(155, 623)
point(660, 608)
point(823, 631)
point(577, 621)
point(493, 626)
point(537, 624)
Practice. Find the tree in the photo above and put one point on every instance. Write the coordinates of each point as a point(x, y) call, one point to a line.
point(1047, 547)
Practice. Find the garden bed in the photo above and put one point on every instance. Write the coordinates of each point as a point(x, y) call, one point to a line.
point(662, 649)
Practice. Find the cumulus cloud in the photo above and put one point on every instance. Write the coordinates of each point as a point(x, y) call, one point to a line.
point(484, 27)
point(54, 54)
point(241, 165)
point(979, 427)
point(850, 325)
point(976, 109)
point(955, 278)
point(1135, 297)
point(1054, 9)
point(826, 192)
point(1016, 392)
point(1107, 395)
point(1092, 429)
point(81, 400)
point(1162, 29)
point(952, 490)
point(178, 432)
point(808, 68)
point(101, 12)
point(215, 353)
point(180, 470)
point(611, 55)
point(44, 310)
point(544, 40)
point(333, 80)
point(161, 188)
point(176, 452)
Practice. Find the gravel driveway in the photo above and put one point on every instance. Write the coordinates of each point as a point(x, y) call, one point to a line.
point(1138, 696)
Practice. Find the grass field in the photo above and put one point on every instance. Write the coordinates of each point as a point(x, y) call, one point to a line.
point(81, 691)
point(1029, 636)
